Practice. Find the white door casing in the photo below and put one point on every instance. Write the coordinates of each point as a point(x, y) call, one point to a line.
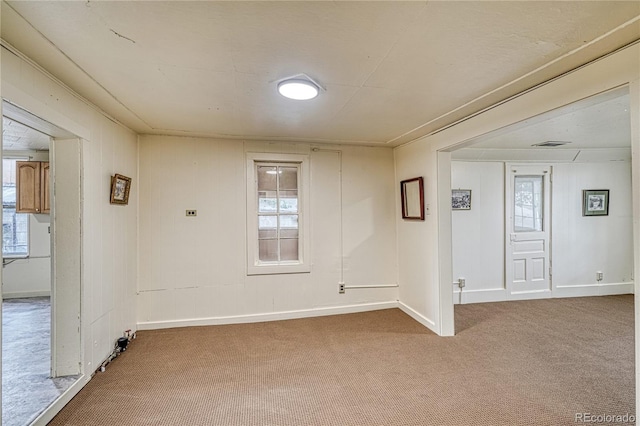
point(528, 231)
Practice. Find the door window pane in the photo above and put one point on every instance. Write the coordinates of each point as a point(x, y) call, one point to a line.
point(528, 204)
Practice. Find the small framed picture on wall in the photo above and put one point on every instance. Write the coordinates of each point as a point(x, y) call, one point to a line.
point(595, 202)
point(120, 187)
point(460, 199)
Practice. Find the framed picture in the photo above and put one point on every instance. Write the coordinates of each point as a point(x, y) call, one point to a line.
point(595, 202)
point(461, 199)
point(412, 194)
point(120, 186)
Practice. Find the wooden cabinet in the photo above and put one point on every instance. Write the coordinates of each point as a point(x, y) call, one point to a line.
point(32, 187)
point(45, 200)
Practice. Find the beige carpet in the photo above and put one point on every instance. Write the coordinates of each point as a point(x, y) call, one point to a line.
point(515, 363)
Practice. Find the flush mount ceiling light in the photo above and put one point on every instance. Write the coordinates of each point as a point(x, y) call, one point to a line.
point(300, 87)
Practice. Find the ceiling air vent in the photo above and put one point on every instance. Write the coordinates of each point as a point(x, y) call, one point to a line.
point(550, 143)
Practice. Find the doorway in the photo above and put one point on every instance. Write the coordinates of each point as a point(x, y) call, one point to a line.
point(41, 316)
point(526, 235)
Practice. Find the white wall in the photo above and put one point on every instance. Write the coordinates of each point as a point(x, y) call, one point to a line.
point(580, 246)
point(478, 234)
point(193, 269)
point(418, 240)
point(109, 243)
point(583, 245)
point(31, 277)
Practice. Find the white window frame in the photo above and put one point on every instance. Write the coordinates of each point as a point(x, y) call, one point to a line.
point(254, 265)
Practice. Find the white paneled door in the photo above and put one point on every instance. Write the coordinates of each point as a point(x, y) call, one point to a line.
point(528, 223)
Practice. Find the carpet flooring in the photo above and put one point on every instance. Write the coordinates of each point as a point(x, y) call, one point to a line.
point(516, 363)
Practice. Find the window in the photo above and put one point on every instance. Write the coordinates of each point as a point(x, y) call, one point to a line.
point(15, 226)
point(528, 204)
point(277, 218)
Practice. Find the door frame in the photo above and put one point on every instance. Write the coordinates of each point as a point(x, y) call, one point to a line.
point(65, 240)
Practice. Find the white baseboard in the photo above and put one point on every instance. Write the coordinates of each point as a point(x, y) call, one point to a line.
point(50, 412)
point(480, 296)
point(418, 317)
point(582, 290)
point(530, 295)
point(609, 289)
point(272, 316)
point(26, 294)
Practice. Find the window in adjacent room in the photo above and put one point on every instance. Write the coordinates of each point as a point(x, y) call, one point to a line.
point(277, 213)
point(15, 226)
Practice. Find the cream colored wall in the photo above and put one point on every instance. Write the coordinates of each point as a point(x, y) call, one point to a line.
point(193, 269)
point(478, 234)
point(109, 245)
point(417, 240)
point(581, 246)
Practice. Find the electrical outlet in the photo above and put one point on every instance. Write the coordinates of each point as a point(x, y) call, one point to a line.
point(192, 212)
point(341, 288)
point(462, 282)
point(599, 276)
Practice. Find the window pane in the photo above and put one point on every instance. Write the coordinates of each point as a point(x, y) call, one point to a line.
point(289, 221)
point(15, 233)
point(289, 249)
point(267, 222)
point(289, 202)
point(267, 234)
point(288, 233)
point(268, 250)
point(267, 178)
point(267, 202)
point(288, 178)
point(528, 200)
point(9, 172)
point(9, 195)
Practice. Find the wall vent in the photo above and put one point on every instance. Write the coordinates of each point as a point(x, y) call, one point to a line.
point(550, 143)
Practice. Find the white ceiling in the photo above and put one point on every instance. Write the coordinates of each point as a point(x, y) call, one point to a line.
point(393, 71)
point(18, 137)
point(594, 129)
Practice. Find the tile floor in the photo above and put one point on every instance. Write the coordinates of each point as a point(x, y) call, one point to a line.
point(27, 388)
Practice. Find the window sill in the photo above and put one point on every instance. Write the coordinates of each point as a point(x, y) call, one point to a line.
point(270, 269)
